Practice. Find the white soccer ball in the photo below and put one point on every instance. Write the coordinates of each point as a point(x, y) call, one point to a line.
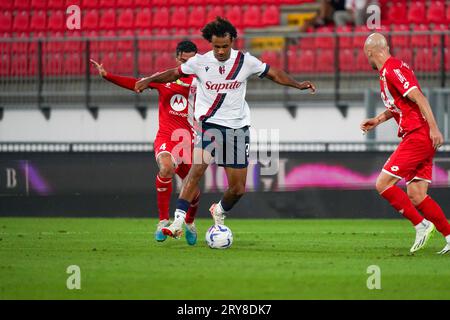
point(219, 237)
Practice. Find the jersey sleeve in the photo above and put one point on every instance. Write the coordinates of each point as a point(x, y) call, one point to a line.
point(403, 79)
point(189, 67)
point(256, 66)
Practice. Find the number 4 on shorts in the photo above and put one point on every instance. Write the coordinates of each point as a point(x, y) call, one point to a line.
point(163, 147)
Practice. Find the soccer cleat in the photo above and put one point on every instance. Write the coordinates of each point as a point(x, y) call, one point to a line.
point(190, 233)
point(423, 234)
point(445, 250)
point(159, 236)
point(175, 230)
point(218, 216)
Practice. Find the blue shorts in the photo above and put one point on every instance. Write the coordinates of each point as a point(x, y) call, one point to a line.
point(229, 147)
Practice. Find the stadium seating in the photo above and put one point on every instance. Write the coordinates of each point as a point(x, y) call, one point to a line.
point(5, 21)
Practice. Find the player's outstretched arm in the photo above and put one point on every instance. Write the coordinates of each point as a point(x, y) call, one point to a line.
point(281, 77)
point(372, 123)
point(124, 82)
point(170, 75)
point(435, 134)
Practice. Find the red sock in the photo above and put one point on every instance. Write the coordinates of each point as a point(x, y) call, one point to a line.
point(163, 193)
point(400, 201)
point(192, 211)
point(433, 212)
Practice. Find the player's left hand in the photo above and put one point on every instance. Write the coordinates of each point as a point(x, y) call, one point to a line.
point(141, 85)
point(436, 138)
point(308, 85)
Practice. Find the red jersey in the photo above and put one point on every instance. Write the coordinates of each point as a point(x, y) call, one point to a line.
point(176, 101)
point(396, 81)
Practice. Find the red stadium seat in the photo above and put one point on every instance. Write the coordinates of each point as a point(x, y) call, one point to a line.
point(252, 17)
point(20, 5)
point(423, 60)
point(404, 54)
point(73, 42)
point(273, 58)
point(416, 12)
point(90, 4)
point(177, 3)
point(7, 4)
point(178, 19)
point(400, 40)
point(20, 46)
point(234, 15)
point(5, 47)
point(215, 11)
point(19, 65)
point(125, 19)
point(271, 16)
point(104, 4)
point(420, 40)
point(39, 4)
point(362, 64)
point(5, 64)
point(21, 22)
point(196, 3)
point(52, 44)
point(38, 21)
point(143, 19)
point(125, 45)
point(73, 64)
point(325, 61)
point(347, 60)
point(345, 36)
point(397, 13)
point(161, 18)
point(160, 3)
point(142, 3)
point(326, 41)
point(145, 63)
point(196, 17)
point(447, 13)
point(56, 21)
point(360, 36)
point(5, 21)
point(90, 20)
point(110, 62)
point(124, 3)
point(52, 64)
point(109, 42)
point(126, 64)
point(436, 12)
point(162, 44)
point(108, 20)
point(56, 5)
point(301, 61)
point(164, 61)
point(147, 44)
point(436, 39)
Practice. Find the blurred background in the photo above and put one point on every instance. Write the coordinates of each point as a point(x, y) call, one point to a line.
point(73, 144)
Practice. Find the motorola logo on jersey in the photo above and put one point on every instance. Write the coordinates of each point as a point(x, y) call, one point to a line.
point(178, 102)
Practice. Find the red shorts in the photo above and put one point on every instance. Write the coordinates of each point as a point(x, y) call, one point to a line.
point(413, 158)
point(180, 151)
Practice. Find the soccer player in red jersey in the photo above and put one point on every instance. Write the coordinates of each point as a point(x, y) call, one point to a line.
point(413, 158)
point(176, 100)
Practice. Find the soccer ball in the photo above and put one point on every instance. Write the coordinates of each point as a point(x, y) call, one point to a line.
point(219, 237)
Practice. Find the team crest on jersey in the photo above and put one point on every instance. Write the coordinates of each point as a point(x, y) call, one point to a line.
point(206, 68)
point(222, 69)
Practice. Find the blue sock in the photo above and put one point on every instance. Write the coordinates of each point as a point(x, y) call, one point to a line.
point(183, 205)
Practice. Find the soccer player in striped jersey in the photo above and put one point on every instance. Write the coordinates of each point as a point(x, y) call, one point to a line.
point(176, 100)
point(413, 159)
point(222, 113)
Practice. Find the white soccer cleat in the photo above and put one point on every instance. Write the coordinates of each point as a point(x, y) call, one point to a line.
point(445, 250)
point(216, 214)
point(423, 234)
point(175, 230)
point(159, 236)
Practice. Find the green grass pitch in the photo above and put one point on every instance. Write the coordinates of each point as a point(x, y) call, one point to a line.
point(269, 259)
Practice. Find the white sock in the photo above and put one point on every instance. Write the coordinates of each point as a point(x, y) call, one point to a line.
point(447, 238)
point(423, 224)
point(179, 215)
point(220, 208)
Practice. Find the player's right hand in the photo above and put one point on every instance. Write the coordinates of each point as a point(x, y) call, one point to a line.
point(101, 70)
point(369, 124)
point(142, 84)
point(436, 137)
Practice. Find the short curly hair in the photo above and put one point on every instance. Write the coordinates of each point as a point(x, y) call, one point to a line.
point(220, 27)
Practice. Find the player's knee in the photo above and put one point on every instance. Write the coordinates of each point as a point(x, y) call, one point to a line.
point(237, 190)
point(166, 171)
point(380, 186)
point(416, 197)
